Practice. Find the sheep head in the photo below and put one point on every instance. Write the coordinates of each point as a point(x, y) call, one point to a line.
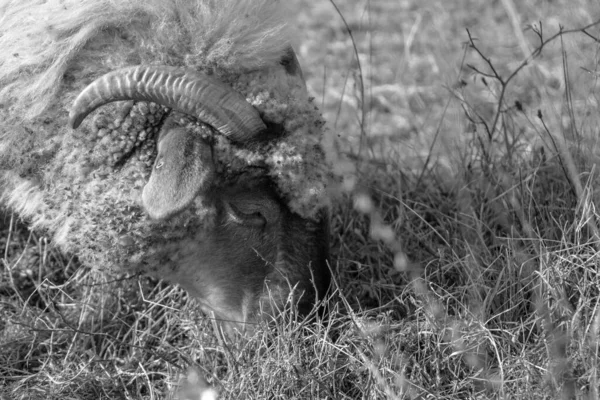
point(255, 253)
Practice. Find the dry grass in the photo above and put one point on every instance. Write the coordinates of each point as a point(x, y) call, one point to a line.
point(465, 246)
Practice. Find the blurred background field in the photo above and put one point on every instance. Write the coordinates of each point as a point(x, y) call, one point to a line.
point(465, 230)
point(415, 66)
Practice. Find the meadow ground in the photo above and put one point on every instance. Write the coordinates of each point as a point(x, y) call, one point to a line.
point(465, 232)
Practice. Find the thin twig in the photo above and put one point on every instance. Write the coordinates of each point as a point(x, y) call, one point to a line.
point(360, 75)
point(534, 54)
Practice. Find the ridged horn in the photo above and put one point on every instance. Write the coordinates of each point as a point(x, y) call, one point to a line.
point(184, 90)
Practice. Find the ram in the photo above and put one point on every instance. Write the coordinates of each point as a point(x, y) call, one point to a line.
point(170, 137)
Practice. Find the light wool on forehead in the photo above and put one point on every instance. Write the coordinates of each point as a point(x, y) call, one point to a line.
point(43, 39)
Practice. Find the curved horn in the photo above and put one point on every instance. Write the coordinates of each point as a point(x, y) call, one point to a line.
point(183, 90)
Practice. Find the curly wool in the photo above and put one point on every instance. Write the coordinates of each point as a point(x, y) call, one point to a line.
point(85, 184)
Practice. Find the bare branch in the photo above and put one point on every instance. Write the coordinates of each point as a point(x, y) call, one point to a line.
point(534, 54)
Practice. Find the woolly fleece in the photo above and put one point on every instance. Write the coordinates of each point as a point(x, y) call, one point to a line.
point(84, 185)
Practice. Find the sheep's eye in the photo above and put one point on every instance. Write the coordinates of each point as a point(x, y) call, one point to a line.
point(250, 217)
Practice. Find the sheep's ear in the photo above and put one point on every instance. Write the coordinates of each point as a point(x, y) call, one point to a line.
point(178, 174)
